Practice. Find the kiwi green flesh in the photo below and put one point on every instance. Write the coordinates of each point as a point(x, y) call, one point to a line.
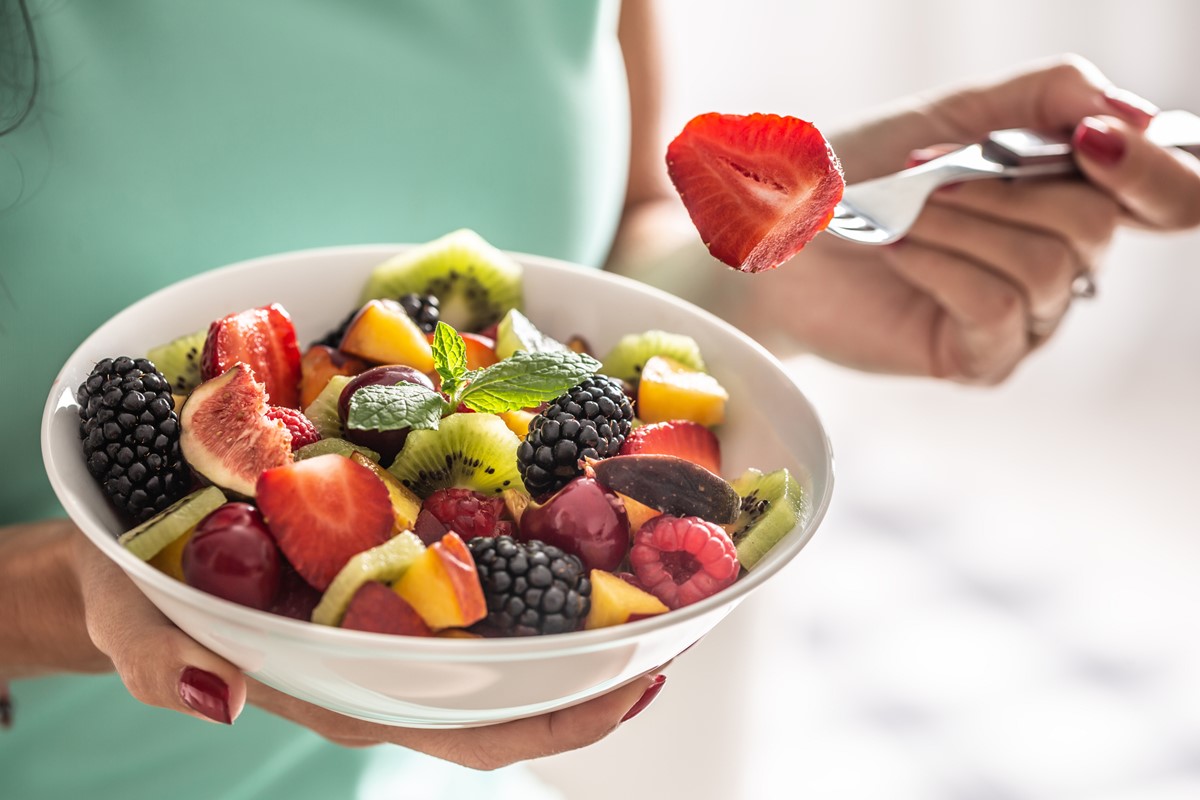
point(474, 282)
point(630, 353)
point(323, 410)
point(474, 451)
point(179, 361)
point(516, 332)
point(772, 505)
point(146, 540)
point(385, 563)
point(333, 446)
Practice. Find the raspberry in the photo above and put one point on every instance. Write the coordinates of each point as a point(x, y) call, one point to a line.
point(681, 560)
point(467, 513)
point(299, 426)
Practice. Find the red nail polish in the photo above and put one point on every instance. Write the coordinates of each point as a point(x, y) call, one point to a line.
point(1130, 107)
point(647, 698)
point(1098, 141)
point(205, 693)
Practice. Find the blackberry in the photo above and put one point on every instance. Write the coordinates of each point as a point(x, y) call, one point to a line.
point(590, 421)
point(421, 309)
point(531, 587)
point(131, 436)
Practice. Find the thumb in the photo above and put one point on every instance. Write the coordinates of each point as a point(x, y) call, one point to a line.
point(158, 663)
point(1051, 96)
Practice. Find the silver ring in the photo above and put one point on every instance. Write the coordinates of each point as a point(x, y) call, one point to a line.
point(1084, 286)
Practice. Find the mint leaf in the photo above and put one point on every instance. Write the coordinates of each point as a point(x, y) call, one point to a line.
point(386, 408)
point(449, 356)
point(526, 379)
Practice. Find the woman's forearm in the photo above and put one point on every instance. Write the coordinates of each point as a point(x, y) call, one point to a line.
point(42, 623)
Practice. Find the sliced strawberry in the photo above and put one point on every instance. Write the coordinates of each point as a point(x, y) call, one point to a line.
point(322, 511)
point(378, 609)
point(263, 338)
point(681, 437)
point(758, 187)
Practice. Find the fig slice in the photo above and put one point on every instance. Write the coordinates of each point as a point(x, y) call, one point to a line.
point(226, 435)
point(671, 484)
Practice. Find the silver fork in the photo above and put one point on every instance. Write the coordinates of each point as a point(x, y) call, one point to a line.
point(882, 210)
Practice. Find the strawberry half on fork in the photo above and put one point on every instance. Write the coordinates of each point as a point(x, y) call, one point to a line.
point(758, 187)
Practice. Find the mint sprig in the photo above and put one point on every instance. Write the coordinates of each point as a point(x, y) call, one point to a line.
point(520, 381)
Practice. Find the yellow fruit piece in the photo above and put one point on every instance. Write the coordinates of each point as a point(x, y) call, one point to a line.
point(384, 333)
point(518, 421)
point(442, 585)
point(385, 562)
point(614, 601)
point(639, 513)
point(169, 560)
point(669, 390)
point(405, 504)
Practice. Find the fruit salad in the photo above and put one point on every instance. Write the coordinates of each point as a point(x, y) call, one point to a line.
point(436, 465)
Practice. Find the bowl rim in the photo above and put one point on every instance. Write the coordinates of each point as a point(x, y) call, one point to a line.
point(441, 648)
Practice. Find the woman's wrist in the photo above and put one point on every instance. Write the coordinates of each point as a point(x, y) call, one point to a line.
point(43, 629)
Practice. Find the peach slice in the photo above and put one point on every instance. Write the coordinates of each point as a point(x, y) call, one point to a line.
point(669, 390)
point(383, 332)
point(443, 586)
point(614, 601)
point(320, 363)
point(405, 504)
point(638, 513)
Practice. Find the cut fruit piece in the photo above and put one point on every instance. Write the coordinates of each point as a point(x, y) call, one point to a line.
point(615, 601)
point(323, 411)
point(669, 391)
point(443, 585)
point(638, 513)
point(264, 339)
point(630, 353)
point(758, 188)
point(226, 434)
point(515, 332)
point(518, 421)
point(405, 504)
point(681, 437)
point(772, 505)
point(377, 609)
point(385, 563)
point(148, 539)
point(335, 447)
point(474, 451)
point(324, 511)
point(320, 363)
point(671, 484)
point(382, 332)
point(475, 282)
point(179, 361)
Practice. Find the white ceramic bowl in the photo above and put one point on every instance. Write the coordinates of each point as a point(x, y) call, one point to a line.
point(427, 682)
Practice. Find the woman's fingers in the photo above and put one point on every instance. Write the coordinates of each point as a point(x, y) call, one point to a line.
point(1160, 187)
point(158, 663)
point(486, 748)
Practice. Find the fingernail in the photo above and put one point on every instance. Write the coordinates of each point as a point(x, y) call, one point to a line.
point(647, 697)
point(205, 694)
point(920, 156)
point(1136, 110)
point(1098, 141)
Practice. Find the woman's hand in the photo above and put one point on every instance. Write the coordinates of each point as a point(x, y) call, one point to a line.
point(986, 274)
point(162, 666)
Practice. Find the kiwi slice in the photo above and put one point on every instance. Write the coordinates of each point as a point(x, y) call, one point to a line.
point(772, 504)
point(179, 361)
point(384, 563)
point(630, 353)
point(323, 410)
point(475, 451)
point(515, 332)
point(335, 446)
point(146, 540)
point(473, 281)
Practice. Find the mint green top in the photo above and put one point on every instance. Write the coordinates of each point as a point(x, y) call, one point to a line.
point(173, 136)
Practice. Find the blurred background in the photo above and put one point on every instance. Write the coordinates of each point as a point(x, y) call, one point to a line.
point(1002, 601)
